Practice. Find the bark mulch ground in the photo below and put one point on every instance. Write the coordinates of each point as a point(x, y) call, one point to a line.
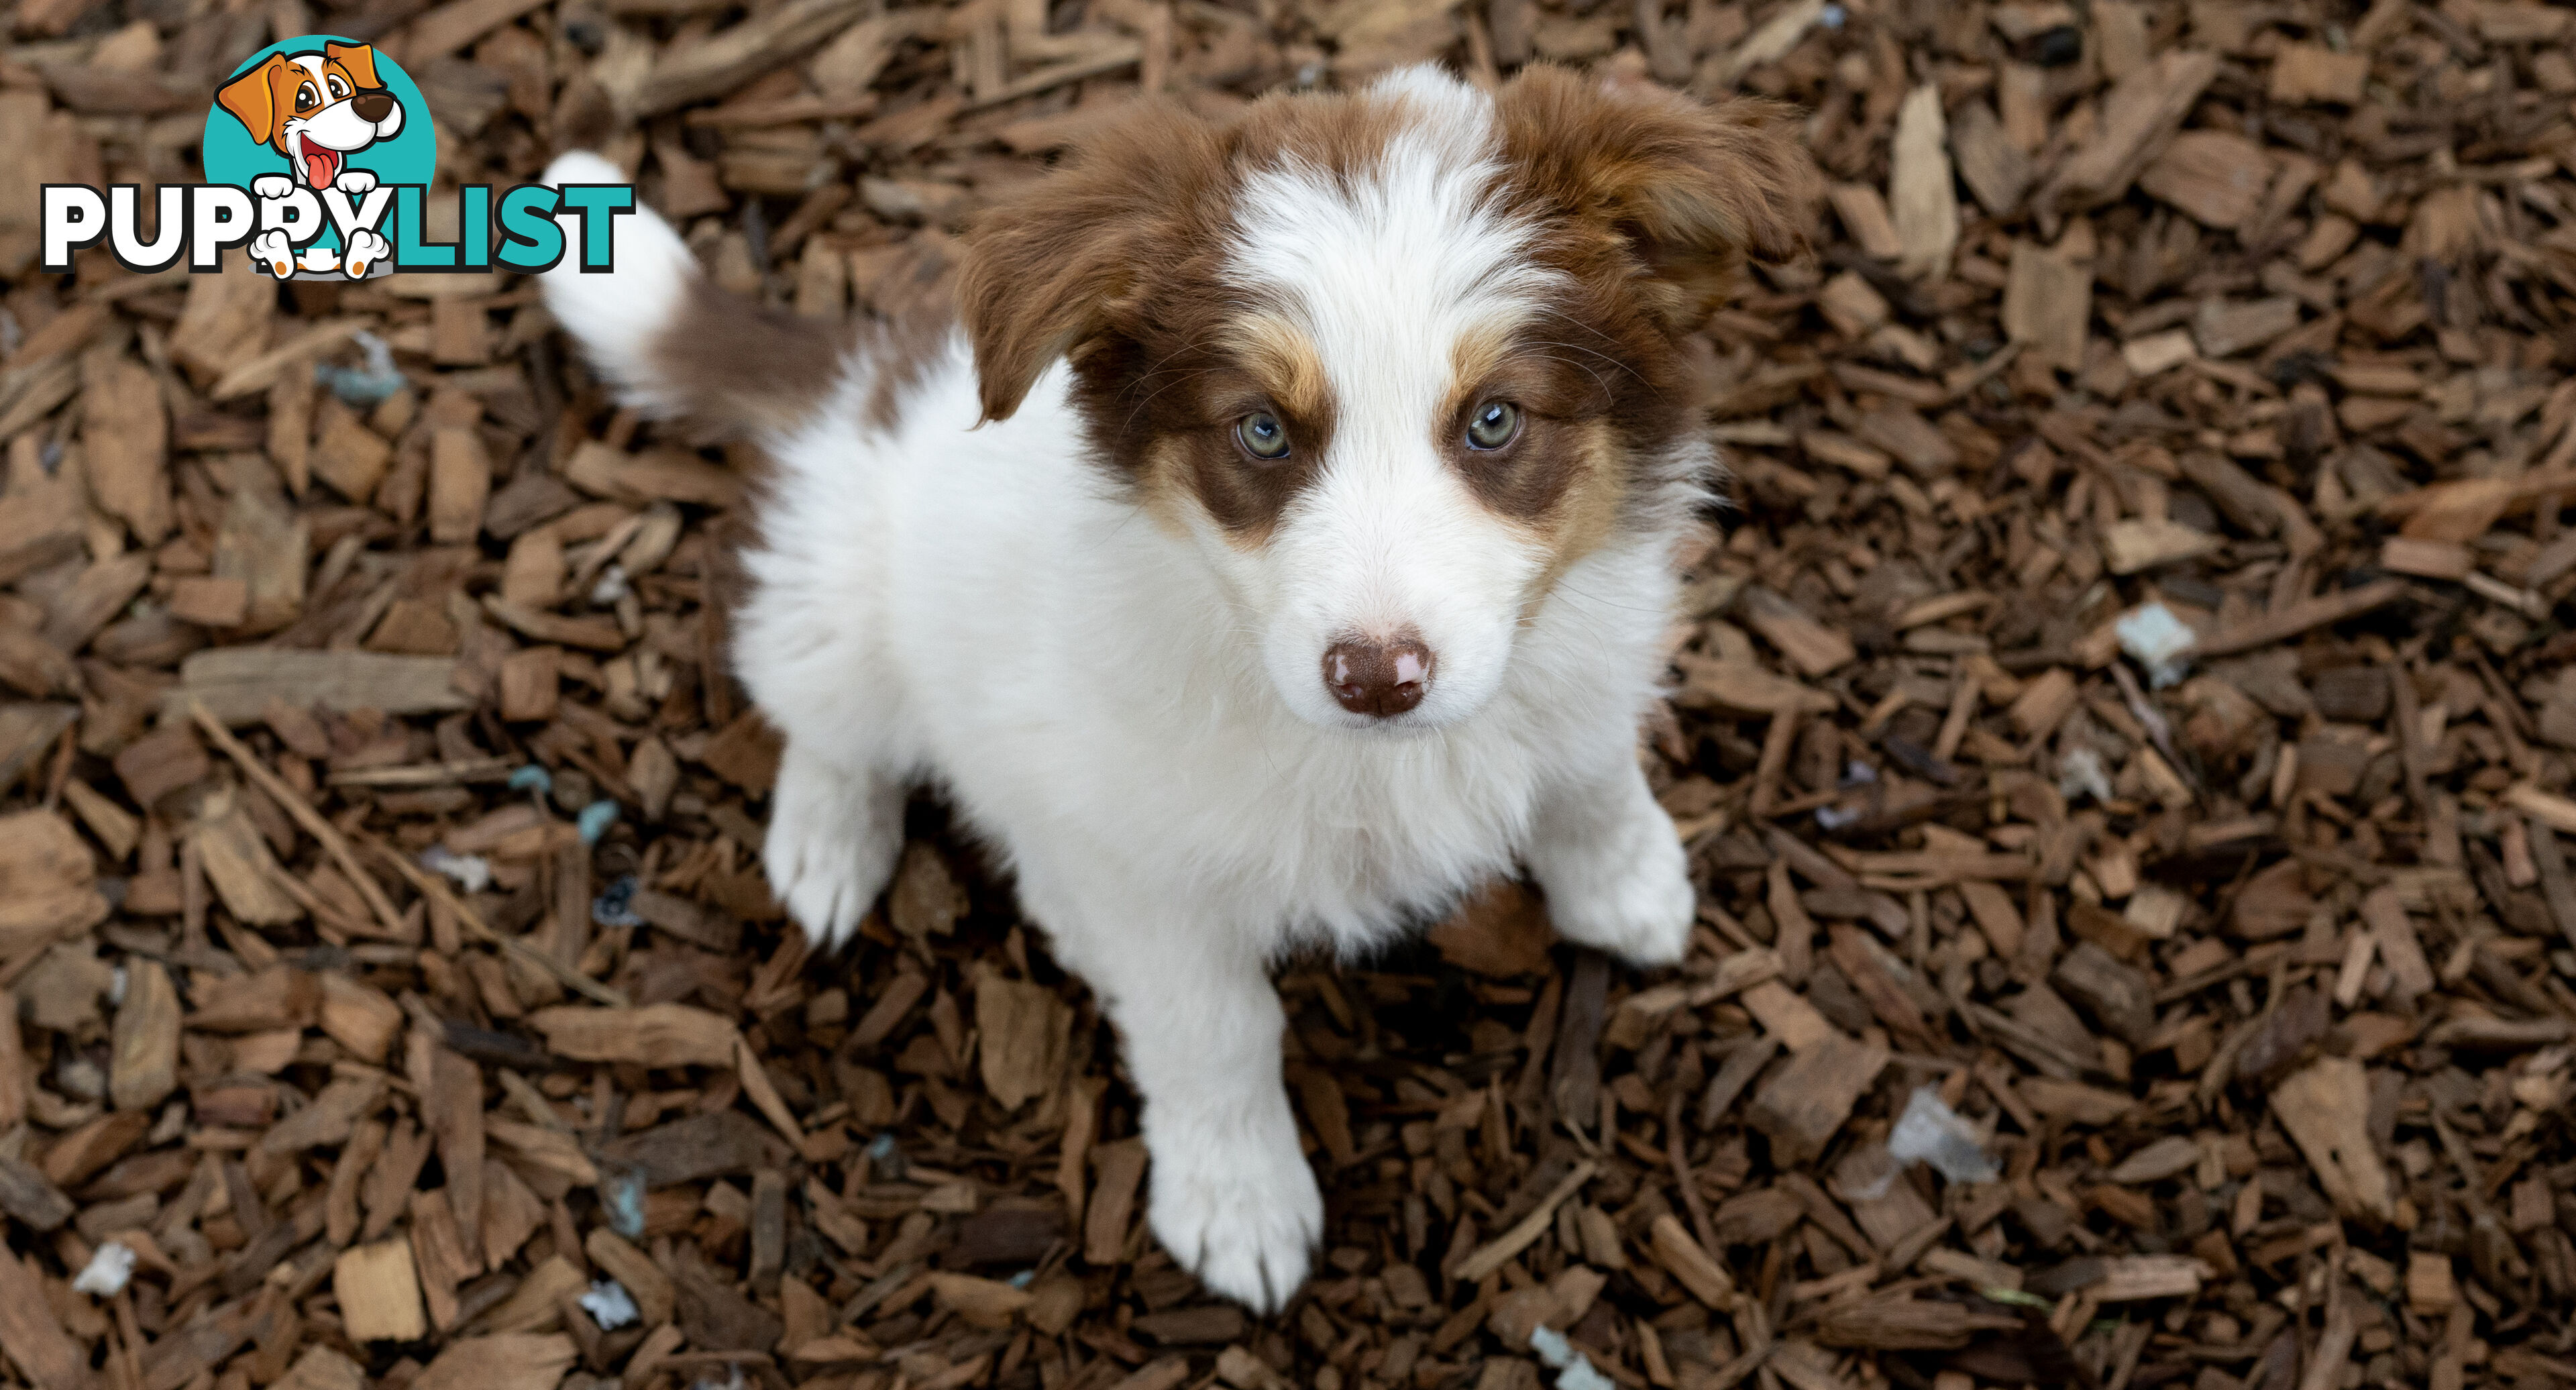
point(2124, 733)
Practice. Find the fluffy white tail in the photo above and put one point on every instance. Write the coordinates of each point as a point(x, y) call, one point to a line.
point(668, 339)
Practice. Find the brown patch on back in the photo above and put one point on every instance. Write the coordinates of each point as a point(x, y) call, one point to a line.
point(736, 367)
point(916, 306)
point(899, 355)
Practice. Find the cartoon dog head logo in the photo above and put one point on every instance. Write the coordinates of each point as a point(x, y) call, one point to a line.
point(316, 109)
point(320, 130)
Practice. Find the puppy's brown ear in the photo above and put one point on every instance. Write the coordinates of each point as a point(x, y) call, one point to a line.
point(1692, 188)
point(252, 98)
point(1053, 268)
point(358, 58)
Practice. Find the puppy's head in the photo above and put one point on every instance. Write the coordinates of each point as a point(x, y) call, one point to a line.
point(315, 108)
point(1395, 360)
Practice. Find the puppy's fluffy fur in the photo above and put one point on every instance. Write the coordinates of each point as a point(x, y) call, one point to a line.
point(1099, 623)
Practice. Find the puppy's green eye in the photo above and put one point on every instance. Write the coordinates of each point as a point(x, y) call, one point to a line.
point(1495, 424)
point(1262, 436)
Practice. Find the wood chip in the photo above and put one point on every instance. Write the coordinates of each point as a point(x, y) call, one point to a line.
point(1812, 1094)
point(1922, 201)
point(2141, 112)
point(236, 684)
point(519, 1361)
point(2326, 1109)
point(2215, 176)
point(2048, 303)
point(379, 1293)
point(656, 1035)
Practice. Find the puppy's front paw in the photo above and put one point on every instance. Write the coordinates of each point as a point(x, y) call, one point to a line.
point(271, 187)
point(1635, 901)
point(1240, 1211)
point(833, 838)
point(357, 183)
point(273, 251)
point(366, 249)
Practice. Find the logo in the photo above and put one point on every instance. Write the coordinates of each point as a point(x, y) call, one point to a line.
point(320, 156)
point(322, 136)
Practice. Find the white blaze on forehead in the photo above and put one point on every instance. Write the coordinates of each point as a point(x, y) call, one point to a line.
point(1387, 267)
point(312, 63)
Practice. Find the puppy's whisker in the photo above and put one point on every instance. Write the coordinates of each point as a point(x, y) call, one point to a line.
point(1158, 369)
point(1587, 371)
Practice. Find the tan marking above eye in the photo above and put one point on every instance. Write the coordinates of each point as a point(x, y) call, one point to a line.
point(1473, 360)
point(1285, 362)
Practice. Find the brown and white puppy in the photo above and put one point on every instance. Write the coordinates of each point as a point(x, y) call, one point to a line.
point(1279, 548)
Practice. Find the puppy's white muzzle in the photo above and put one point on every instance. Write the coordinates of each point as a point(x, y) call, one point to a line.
point(1393, 600)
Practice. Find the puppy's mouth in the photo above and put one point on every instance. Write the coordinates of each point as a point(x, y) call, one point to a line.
point(321, 163)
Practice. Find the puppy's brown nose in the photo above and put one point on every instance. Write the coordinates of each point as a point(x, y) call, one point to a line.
point(372, 106)
point(1379, 678)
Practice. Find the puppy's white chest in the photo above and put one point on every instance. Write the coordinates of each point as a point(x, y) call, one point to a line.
point(1352, 843)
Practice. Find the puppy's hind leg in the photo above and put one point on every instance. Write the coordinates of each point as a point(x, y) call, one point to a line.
point(834, 834)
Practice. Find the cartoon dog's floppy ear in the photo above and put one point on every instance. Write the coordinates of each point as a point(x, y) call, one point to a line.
point(252, 98)
point(358, 58)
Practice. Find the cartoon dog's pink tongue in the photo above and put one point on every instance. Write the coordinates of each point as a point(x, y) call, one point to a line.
point(320, 165)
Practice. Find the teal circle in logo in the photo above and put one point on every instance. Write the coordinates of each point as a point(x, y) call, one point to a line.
point(315, 110)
